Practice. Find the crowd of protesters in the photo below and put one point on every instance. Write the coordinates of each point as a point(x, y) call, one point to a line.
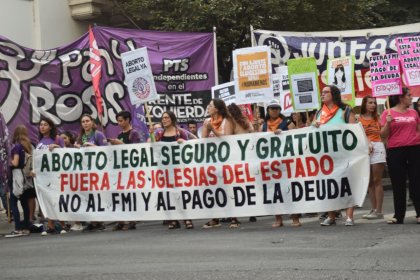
point(393, 137)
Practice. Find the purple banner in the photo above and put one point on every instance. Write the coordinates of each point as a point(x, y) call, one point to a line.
point(57, 83)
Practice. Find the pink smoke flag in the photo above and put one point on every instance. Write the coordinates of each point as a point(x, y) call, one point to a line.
point(95, 70)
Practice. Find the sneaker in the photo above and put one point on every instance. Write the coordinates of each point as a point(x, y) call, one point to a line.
point(328, 222)
point(64, 231)
point(48, 232)
point(15, 233)
point(26, 232)
point(349, 222)
point(212, 224)
point(374, 216)
point(324, 216)
point(76, 227)
point(368, 214)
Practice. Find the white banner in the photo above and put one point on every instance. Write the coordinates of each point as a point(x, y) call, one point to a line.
point(299, 171)
point(252, 75)
point(138, 76)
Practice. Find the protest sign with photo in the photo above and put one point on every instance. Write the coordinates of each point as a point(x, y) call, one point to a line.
point(138, 76)
point(298, 171)
point(252, 75)
point(409, 52)
point(225, 92)
point(385, 75)
point(340, 72)
point(303, 81)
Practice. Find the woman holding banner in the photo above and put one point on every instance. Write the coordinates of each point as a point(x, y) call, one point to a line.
point(172, 133)
point(89, 137)
point(219, 124)
point(48, 139)
point(401, 127)
point(334, 112)
point(276, 122)
point(370, 120)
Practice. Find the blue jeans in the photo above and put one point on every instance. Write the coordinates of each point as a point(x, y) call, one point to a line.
point(19, 225)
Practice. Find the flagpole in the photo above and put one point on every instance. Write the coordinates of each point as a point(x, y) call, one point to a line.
point(149, 119)
point(216, 68)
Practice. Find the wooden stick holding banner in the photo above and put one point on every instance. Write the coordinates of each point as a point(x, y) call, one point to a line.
point(149, 119)
point(9, 218)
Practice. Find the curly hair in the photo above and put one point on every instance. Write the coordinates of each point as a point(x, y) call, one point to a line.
point(221, 108)
point(238, 116)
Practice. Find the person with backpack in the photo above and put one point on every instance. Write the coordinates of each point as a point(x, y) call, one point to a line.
point(128, 135)
point(49, 139)
point(334, 112)
point(276, 122)
point(89, 136)
point(22, 149)
point(171, 132)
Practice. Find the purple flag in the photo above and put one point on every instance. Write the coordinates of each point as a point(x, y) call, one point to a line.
point(57, 83)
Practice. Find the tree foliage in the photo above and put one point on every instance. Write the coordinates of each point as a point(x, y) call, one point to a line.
point(233, 18)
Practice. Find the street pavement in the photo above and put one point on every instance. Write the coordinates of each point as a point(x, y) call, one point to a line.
point(368, 250)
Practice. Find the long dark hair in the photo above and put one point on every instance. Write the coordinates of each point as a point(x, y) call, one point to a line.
point(53, 131)
point(238, 116)
point(302, 117)
point(222, 110)
point(336, 96)
point(343, 79)
point(172, 117)
point(363, 109)
point(72, 138)
point(394, 100)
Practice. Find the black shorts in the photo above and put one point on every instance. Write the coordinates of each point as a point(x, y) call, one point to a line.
point(29, 193)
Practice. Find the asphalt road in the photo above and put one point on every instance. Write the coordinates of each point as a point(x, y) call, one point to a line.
point(368, 250)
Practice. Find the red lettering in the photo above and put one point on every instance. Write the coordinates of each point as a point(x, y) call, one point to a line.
point(140, 177)
point(264, 170)
point(322, 161)
point(105, 182)
point(64, 181)
point(275, 167)
point(211, 173)
point(289, 169)
point(312, 171)
point(300, 171)
point(248, 176)
point(228, 176)
point(178, 177)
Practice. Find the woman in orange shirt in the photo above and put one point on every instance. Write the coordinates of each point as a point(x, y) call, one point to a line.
point(370, 120)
